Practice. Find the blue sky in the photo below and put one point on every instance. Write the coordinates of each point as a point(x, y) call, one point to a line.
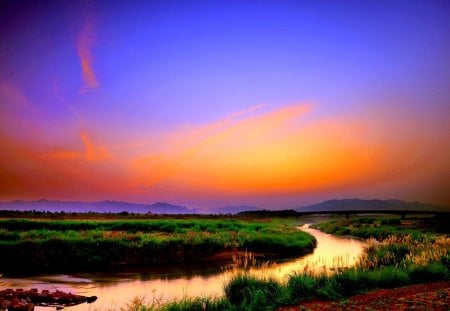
point(122, 77)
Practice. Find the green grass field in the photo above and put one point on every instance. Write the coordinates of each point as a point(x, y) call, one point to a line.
point(408, 253)
point(382, 227)
point(61, 245)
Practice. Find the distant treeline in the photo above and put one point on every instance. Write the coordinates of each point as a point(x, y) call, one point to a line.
point(102, 215)
point(269, 213)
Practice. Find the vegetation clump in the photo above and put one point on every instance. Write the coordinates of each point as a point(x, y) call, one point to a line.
point(397, 254)
point(409, 255)
point(52, 245)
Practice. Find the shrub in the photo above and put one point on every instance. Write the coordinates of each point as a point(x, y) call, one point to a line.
point(244, 290)
point(388, 277)
point(327, 288)
point(300, 287)
point(351, 282)
point(432, 272)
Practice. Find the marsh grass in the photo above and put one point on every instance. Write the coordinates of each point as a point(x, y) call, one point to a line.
point(383, 227)
point(404, 251)
point(405, 258)
point(45, 245)
point(242, 261)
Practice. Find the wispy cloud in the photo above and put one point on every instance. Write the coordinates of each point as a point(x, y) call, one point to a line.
point(255, 153)
point(30, 171)
point(282, 151)
point(219, 148)
point(93, 152)
point(84, 48)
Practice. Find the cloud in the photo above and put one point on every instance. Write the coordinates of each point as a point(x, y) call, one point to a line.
point(215, 148)
point(93, 152)
point(84, 49)
point(33, 169)
point(280, 153)
point(288, 151)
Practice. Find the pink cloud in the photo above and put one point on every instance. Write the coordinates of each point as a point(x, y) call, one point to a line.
point(84, 49)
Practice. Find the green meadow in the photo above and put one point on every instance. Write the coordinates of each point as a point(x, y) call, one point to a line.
point(410, 253)
point(61, 245)
point(399, 252)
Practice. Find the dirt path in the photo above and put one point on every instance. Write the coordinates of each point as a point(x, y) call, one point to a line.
point(432, 296)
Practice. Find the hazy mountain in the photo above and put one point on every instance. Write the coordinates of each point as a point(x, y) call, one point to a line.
point(359, 204)
point(166, 208)
point(234, 209)
point(98, 207)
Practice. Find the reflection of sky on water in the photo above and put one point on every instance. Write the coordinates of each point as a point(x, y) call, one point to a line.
point(115, 290)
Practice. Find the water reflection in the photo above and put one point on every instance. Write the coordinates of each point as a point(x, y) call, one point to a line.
point(115, 290)
point(331, 253)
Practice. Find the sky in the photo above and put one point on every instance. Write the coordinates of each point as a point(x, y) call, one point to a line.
point(277, 104)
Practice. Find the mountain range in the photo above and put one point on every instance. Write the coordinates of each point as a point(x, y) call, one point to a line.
point(98, 207)
point(360, 204)
point(234, 209)
point(167, 208)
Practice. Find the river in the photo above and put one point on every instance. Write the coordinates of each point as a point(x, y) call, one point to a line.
point(115, 289)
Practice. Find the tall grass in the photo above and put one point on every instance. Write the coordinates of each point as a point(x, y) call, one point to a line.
point(404, 251)
point(396, 261)
point(408, 257)
point(248, 293)
point(381, 227)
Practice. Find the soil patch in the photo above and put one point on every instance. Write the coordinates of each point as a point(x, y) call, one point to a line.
point(432, 296)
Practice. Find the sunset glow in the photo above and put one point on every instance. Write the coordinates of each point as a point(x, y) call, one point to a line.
point(212, 104)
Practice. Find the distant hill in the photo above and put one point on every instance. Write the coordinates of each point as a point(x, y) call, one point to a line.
point(359, 204)
point(166, 208)
point(234, 209)
point(98, 207)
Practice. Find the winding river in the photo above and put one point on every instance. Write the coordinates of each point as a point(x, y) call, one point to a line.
point(157, 285)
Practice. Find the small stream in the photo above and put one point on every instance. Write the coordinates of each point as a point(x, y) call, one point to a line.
point(158, 285)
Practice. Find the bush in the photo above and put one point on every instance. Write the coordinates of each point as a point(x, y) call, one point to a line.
point(392, 221)
point(327, 288)
point(351, 282)
point(300, 287)
point(254, 294)
point(6, 235)
point(432, 272)
point(388, 277)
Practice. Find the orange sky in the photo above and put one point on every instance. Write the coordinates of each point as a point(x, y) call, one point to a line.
point(260, 152)
point(274, 104)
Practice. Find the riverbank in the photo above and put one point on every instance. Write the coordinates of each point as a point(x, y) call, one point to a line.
point(399, 260)
point(381, 227)
point(431, 296)
point(163, 284)
point(409, 255)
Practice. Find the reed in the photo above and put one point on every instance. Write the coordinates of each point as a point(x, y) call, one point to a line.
point(409, 256)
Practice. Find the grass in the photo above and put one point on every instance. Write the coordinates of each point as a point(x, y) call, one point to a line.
point(383, 227)
point(410, 255)
point(403, 254)
point(247, 293)
point(53, 245)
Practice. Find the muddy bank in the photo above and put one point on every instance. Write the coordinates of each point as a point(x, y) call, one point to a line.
point(432, 296)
